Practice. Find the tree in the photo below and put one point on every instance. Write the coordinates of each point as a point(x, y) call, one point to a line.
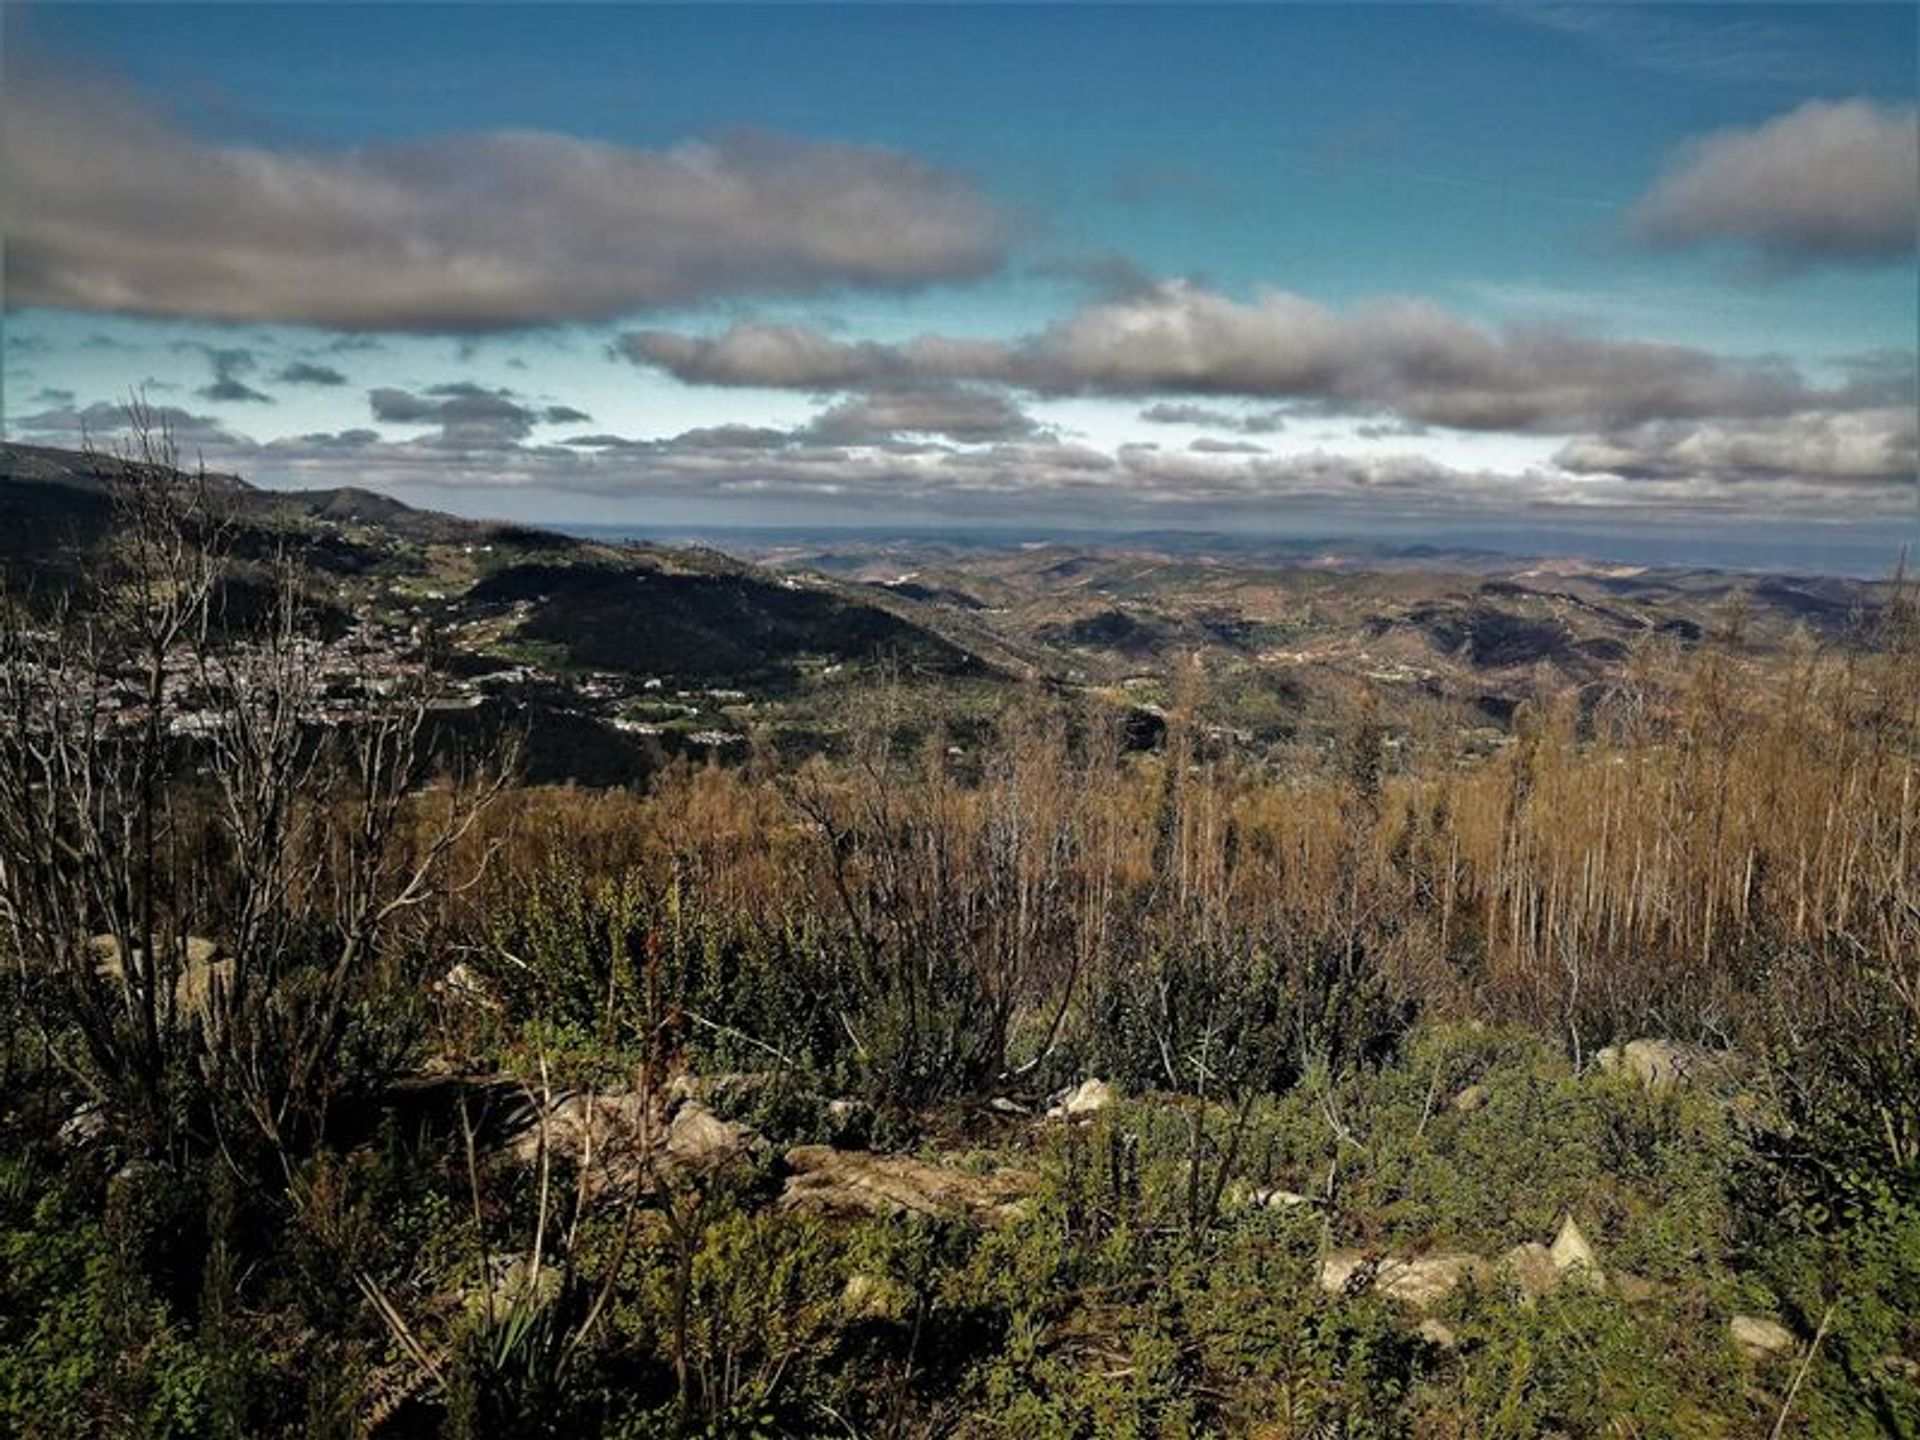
point(198, 870)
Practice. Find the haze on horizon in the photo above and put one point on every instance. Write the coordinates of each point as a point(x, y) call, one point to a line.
point(1561, 272)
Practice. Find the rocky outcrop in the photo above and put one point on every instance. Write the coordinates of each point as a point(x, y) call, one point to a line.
point(1421, 1281)
point(1537, 1269)
point(201, 972)
point(855, 1183)
point(625, 1143)
point(1761, 1338)
point(1663, 1064)
point(1083, 1102)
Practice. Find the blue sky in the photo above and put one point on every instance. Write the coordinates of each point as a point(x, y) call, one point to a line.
point(1262, 266)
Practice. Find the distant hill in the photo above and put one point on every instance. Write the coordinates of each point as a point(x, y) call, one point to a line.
point(690, 614)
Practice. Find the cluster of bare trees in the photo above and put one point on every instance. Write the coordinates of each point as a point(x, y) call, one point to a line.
point(198, 881)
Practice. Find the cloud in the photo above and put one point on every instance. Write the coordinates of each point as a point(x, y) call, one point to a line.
point(305, 372)
point(1208, 445)
point(1806, 469)
point(1406, 358)
point(113, 207)
point(961, 413)
point(564, 415)
point(468, 416)
point(781, 356)
point(1830, 181)
point(1862, 448)
point(104, 421)
point(1046, 477)
point(1263, 422)
point(229, 364)
point(1106, 273)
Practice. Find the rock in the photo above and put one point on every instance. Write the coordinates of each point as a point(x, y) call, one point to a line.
point(1537, 1269)
point(1279, 1199)
point(86, 1126)
point(463, 985)
point(699, 1141)
point(201, 973)
point(1426, 1280)
point(626, 1144)
point(848, 1183)
point(1761, 1338)
point(1470, 1099)
point(1337, 1269)
point(1662, 1064)
point(1004, 1105)
point(1083, 1102)
point(1440, 1334)
point(1423, 1281)
point(1532, 1268)
point(586, 1128)
point(199, 983)
point(1573, 1257)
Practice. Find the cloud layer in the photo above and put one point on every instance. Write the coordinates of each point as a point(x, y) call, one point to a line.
point(1828, 181)
point(1406, 358)
point(1795, 468)
point(112, 207)
point(1868, 447)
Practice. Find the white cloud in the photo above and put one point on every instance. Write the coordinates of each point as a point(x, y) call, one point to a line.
point(1828, 181)
point(113, 207)
point(1408, 358)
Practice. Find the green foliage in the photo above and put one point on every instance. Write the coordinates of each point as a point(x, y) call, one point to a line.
point(602, 968)
point(1844, 1147)
point(87, 1342)
point(1220, 1017)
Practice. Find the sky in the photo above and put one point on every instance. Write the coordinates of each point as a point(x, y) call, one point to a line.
point(1576, 273)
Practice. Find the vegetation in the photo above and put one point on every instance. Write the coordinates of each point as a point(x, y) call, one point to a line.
point(355, 1088)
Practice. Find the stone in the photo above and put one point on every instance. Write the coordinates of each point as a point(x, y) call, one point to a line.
point(1425, 1280)
point(1760, 1338)
point(1279, 1199)
point(579, 1127)
point(855, 1183)
point(1573, 1257)
point(1338, 1268)
point(1084, 1101)
point(625, 1144)
point(1662, 1064)
point(700, 1141)
point(201, 975)
point(1532, 1269)
point(465, 986)
point(86, 1126)
point(1470, 1099)
point(1421, 1282)
point(1439, 1334)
